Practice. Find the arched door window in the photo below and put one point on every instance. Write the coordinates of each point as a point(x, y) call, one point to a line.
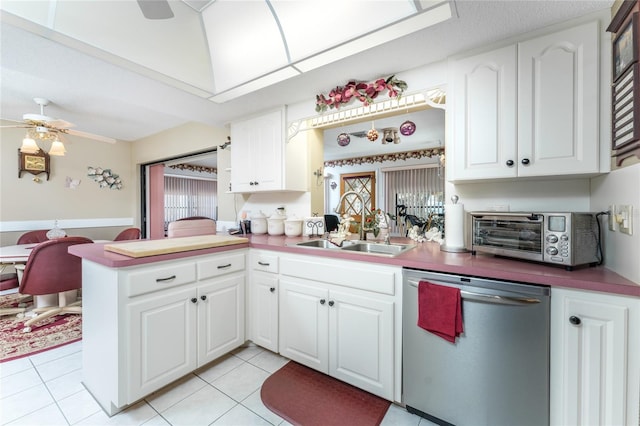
point(363, 183)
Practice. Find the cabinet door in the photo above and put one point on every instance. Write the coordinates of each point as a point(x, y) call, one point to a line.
point(558, 103)
point(257, 153)
point(220, 317)
point(590, 371)
point(162, 341)
point(304, 323)
point(264, 310)
point(484, 115)
point(361, 342)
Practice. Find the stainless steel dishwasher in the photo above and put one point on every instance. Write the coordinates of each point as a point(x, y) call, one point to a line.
point(497, 372)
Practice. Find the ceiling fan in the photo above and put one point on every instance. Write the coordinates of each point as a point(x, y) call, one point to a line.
point(47, 128)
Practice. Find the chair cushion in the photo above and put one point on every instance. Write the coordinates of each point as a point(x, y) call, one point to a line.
point(8, 281)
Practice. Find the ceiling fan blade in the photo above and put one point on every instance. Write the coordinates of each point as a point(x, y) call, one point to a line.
point(90, 136)
point(60, 124)
point(155, 9)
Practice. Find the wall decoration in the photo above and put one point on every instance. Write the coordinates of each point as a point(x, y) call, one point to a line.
point(385, 157)
point(104, 177)
point(194, 168)
point(71, 183)
point(35, 163)
point(407, 128)
point(343, 139)
point(625, 90)
point(364, 92)
point(625, 47)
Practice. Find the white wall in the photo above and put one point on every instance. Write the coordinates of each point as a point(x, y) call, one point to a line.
point(622, 251)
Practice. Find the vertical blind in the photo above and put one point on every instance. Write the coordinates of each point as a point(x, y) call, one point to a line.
point(185, 197)
point(417, 192)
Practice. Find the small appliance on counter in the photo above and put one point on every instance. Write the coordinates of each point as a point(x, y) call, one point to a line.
point(568, 239)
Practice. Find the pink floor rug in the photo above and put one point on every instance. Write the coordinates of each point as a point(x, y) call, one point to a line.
point(47, 334)
point(306, 397)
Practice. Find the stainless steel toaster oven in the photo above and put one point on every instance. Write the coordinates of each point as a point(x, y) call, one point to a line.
point(568, 239)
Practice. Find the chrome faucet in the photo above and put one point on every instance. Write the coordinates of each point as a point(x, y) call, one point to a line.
point(363, 234)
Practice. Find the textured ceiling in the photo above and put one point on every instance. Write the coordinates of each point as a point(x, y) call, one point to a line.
point(110, 96)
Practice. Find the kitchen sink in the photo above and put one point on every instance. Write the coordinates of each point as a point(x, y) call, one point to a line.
point(318, 244)
point(379, 248)
point(361, 247)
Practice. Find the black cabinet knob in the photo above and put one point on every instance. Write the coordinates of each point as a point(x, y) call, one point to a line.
point(322, 301)
point(272, 289)
point(331, 302)
point(575, 320)
point(194, 300)
point(203, 297)
point(510, 163)
point(525, 161)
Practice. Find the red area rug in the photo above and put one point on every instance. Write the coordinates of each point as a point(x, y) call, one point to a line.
point(48, 334)
point(303, 396)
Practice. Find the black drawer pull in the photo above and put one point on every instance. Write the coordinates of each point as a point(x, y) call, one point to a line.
point(228, 265)
point(263, 263)
point(194, 300)
point(203, 297)
point(163, 280)
point(331, 302)
point(575, 320)
point(272, 289)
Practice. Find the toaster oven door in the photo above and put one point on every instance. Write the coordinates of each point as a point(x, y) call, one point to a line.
point(512, 236)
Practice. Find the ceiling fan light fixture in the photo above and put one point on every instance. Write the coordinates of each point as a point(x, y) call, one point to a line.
point(29, 146)
point(57, 148)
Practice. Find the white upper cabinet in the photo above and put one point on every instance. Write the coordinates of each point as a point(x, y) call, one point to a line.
point(528, 109)
point(558, 107)
point(261, 158)
point(484, 115)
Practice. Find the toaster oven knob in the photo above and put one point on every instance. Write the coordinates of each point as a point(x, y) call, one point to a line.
point(509, 163)
point(552, 238)
point(525, 161)
point(552, 251)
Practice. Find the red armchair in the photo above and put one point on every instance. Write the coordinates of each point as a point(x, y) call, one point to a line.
point(31, 237)
point(128, 234)
point(52, 270)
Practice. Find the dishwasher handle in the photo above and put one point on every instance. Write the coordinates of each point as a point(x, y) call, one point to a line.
point(491, 298)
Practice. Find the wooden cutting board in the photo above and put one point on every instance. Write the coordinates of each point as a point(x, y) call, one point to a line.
point(142, 248)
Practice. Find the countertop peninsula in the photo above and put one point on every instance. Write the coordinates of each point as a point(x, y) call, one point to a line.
point(425, 256)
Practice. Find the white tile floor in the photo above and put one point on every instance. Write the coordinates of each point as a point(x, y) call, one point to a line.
point(46, 389)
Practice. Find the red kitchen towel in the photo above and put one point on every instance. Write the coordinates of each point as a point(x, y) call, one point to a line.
point(440, 310)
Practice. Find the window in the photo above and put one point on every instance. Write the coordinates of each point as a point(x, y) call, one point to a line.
point(415, 196)
point(363, 183)
point(185, 197)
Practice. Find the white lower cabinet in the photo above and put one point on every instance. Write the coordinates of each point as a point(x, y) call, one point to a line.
point(263, 300)
point(346, 332)
point(144, 327)
point(595, 362)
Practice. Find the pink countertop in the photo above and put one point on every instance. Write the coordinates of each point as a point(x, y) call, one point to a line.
point(426, 256)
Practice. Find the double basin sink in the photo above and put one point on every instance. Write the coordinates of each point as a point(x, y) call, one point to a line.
point(361, 247)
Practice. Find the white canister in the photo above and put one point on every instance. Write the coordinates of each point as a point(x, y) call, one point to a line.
point(275, 224)
point(259, 223)
point(293, 227)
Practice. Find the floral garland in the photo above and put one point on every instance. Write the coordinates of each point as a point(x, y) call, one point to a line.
point(364, 92)
point(385, 157)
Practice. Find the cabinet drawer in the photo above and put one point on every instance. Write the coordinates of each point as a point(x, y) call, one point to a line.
point(363, 276)
point(160, 278)
point(220, 265)
point(265, 262)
